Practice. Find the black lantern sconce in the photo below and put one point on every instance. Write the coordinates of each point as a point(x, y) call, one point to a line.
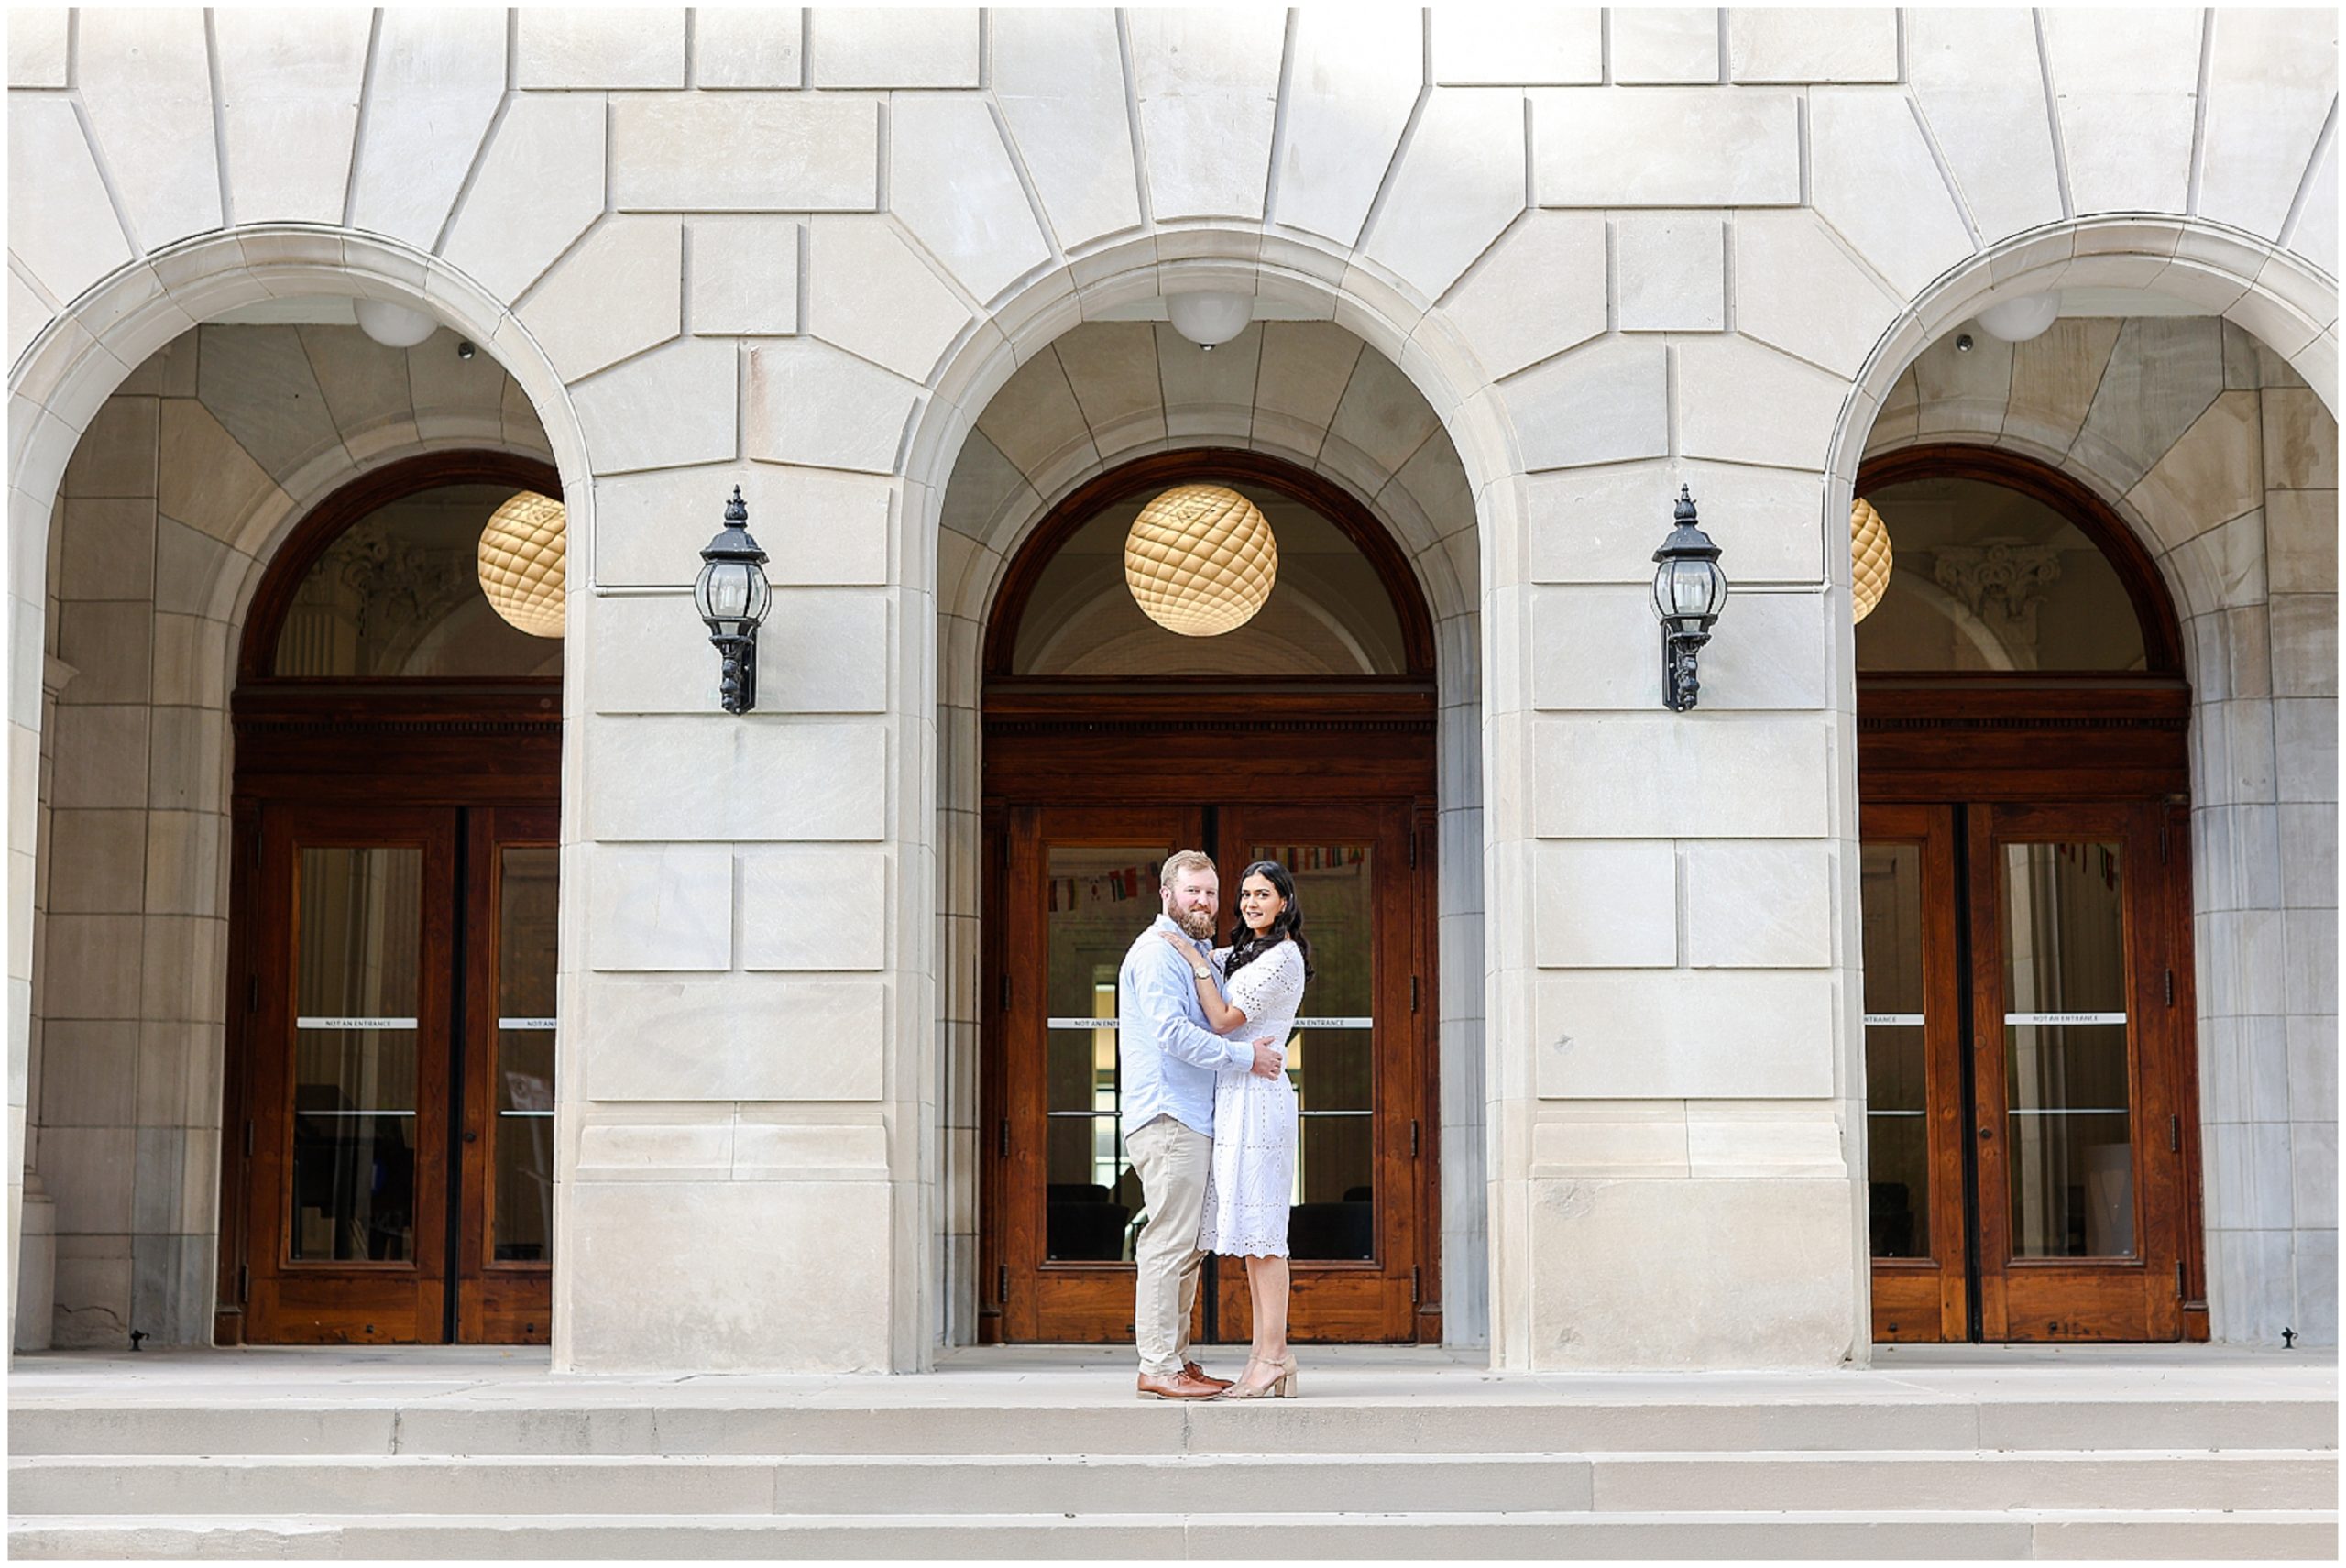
point(732, 595)
point(1688, 591)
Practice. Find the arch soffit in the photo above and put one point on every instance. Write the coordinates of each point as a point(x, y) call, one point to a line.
point(91, 346)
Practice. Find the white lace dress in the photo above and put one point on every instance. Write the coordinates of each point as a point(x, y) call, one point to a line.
point(1252, 1177)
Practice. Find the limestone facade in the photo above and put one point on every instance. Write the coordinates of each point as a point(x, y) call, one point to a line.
point(899, 275)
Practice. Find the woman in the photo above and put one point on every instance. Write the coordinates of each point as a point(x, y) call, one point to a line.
point(1253, 1177)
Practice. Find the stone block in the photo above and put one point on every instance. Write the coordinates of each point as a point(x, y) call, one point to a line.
point(37, 46)
point(1673, 271)
point(868, 292)
point(717, 778)
point(1458, 184)
point(748, 46)
point(1759, 906)
point(146, 83)
point(2300, 440)
point(659, 907)
point(899, 47)
point(540, 184)
point(1601, 524)
point(617, 46)
point(1665, 146)
point(1538, 291)
point(101, 756)
point(1111, 372)
point(92, 1178)
point(289, 85)
point(61, 224)
point(1742, 403)
point(1611, 1138)
point(256, 381)
point(1862, 144)
point(1352, 85)
point(106, 548)
point(1479, 47)
point(2162, 374)
point(745, 276)
point(1812, 44)
point(1207, 85)
point(107, 643)
point(1768, 1141)
point(1604, 403)
point(1798, 288)
point(2313, 1174)
point(658, 1151)
point(2054, 379)
point(781, 1150)
point(2301, 540)
point(820, 650)
point(618, 294)
point(184, 850)
point(97, 861)
point(1976, 76)
point(832, 528)
point(88, 1071)
point(815, 909)
point(1763, 1279)
point(2128, 100)
point(93, 967)
point(2211, 474)
point(748, 1245)
point(734, 1038)
point(2305, 645)
point(693, 384)
point(1305, 368)
point(1665, 775)
point(1059, 81)
point(811, 405)
point(718, 152)
point(1382, 415)
point(2271, 79)
point(1665, 44)
point(1605, 905)
point(1711, 1035)
point(950, 182)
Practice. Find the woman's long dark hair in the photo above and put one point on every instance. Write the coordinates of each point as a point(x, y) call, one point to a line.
point(1286, 926)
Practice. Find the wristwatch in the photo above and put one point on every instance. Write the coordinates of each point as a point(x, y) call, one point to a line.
point(1202, 972)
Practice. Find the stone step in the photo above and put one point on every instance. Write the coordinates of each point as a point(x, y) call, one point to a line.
point(578, 1422)
point(2174, 1534)
point(1090, 1485)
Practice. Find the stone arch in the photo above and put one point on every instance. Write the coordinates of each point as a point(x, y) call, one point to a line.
point(132, 324)
point(2224, 492)
point(1051, 356)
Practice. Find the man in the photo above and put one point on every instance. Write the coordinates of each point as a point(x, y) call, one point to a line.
point(1168, 1059)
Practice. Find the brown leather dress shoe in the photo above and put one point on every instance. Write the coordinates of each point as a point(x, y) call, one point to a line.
point(1180, 1385)
point(1203, 1376)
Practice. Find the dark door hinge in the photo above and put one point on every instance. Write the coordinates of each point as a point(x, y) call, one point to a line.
point(2163, 829)
point(1413, 849)
point(249, 1140)
point(1413, 1138)
point(2175, 1134)
point(2170, 988)
point(1001, 1285)
point(1002, 1146)
point(1413, 993)
point(244, 1284)
point(2178, 1278)
point(1413, 1288)
point(1005, 994)
point(252, 993)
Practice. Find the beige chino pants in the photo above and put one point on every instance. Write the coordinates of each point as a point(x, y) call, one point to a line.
point(1172, 1162)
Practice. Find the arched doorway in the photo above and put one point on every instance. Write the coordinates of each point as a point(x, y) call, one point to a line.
point(388, 1175)
point(1306, 736)
point(2022, 720)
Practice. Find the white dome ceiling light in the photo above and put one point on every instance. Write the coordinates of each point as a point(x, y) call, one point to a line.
point(1200, 560)
point(1208, 317)
point(393, 326)
point(1870, 559)
point(2018, 320)
point(521, 562)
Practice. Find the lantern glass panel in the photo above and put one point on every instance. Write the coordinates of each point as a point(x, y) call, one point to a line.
point(723, 595)
point(1687, 594)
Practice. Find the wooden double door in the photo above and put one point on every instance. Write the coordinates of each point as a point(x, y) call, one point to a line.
point(1077, 885)
point(398, 1036)
point(2027, 1026)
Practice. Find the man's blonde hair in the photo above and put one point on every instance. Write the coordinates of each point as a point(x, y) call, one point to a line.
point(1175, 864)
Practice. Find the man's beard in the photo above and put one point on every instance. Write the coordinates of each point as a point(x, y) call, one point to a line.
point(1197, 923)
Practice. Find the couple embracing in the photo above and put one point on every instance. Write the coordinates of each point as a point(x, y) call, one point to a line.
point(1208, 1115)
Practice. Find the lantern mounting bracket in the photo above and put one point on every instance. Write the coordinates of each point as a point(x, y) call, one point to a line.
point(1688, 591)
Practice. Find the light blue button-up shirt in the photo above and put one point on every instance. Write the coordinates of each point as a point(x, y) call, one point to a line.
point(1167, 1055)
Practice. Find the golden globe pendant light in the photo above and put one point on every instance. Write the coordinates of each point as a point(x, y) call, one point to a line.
point(1868, 559)
point(1200, 560)
point(522, 555)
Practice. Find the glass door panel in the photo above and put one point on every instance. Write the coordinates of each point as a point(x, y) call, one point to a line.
point(2078, 1140)
point(1914, 1138)
point(1097, 899)
point(347, 1019)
